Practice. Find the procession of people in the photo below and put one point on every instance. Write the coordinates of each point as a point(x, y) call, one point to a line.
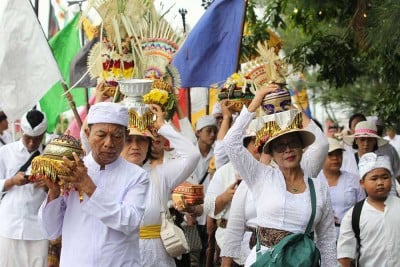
point(137, 181)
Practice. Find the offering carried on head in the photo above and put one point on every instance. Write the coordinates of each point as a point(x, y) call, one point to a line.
point(238, 90)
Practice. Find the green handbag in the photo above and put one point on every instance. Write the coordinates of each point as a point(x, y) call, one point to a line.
point(295, 249)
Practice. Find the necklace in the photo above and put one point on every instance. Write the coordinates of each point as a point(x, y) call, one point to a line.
point(295, 189)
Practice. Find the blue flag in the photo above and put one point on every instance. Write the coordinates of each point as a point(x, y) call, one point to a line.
point(210, 53)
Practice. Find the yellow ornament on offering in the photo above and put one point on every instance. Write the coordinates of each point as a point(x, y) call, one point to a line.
point(48, 165)
point(156, 96)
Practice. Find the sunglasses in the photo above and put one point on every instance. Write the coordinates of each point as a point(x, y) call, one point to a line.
point(281, 147)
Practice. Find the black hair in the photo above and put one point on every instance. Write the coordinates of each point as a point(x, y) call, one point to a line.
point(148, 154)
point(3, 116)
point(356, 115)
point(34, 117)
point(247, 140)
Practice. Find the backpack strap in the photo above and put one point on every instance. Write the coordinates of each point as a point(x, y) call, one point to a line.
point(313, 206)
point(26, 165)
point(203, 178)
point(355, 222)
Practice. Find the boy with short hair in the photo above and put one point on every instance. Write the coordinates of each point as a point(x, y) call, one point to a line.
point(379, 220)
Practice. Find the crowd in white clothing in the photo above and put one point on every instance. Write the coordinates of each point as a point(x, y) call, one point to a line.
point(254, 171)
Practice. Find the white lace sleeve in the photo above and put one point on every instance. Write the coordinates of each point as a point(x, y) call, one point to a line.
point(187, 130)
point(315, 154)
point(234, 232)
point(221, 158)
point(325, 229)
point(244, 163)
point(178, 170)
point(215, 188)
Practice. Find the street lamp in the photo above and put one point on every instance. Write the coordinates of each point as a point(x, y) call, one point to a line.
point(183, 13)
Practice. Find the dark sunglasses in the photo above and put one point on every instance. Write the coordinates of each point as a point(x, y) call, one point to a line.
point(281, 147)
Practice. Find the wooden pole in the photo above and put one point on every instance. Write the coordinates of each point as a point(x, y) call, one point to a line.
point(72, 104)
point(188, 104)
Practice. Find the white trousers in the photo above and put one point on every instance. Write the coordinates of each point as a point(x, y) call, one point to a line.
point(23, 253)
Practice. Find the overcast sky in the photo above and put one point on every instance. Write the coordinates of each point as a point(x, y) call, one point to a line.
point(193, 7)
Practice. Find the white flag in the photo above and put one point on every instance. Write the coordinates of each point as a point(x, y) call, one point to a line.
point(27, 66)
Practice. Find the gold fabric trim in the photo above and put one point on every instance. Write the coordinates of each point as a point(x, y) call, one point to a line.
point(272, 129)
point(150, 231)
point(141, 122)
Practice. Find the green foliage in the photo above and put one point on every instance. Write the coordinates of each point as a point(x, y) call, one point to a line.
point(256, 32)
point(320, 51)
point(352, 47)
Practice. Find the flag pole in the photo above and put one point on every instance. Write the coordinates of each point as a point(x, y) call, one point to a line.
point(71, 103)
point(241, 36)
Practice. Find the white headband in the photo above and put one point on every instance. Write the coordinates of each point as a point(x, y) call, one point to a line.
point(371, 161)
point(38, 130)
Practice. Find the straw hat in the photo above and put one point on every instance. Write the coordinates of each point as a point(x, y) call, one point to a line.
point(280, 124)
point(365, 129)
point(334, 144)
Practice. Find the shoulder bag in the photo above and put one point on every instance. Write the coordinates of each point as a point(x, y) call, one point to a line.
point(172, 236)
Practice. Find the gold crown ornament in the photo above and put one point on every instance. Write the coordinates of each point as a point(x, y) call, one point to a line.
point(48, 165)
point(278, 124)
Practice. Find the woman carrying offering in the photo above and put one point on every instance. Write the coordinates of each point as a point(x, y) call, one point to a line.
point(163, 179)
point(282, 194)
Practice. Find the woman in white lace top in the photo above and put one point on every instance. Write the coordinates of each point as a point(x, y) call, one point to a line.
point(169, 174)
point(281, 194)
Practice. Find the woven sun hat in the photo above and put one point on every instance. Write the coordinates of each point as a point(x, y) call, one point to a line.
point(280, 124)
point(371, 161)
point(136, 131)
point(365, 129)
point(334, 144)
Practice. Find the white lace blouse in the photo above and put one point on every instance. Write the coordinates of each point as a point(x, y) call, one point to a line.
point(243, 212)
point(169, 175)
point(268, 187)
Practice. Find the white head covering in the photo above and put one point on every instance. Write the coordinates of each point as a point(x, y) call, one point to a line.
point(36, 131)
point(205, 121)
point(371, 161)
point(108, 112)
point(216, 109)
point(334, 144)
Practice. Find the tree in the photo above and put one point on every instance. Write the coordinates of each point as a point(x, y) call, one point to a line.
point(352, 45)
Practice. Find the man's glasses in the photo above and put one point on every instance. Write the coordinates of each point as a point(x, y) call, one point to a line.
point(281, 147)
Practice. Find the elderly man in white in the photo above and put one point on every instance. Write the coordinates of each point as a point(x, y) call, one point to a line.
point(22, 243)
point(102, 228)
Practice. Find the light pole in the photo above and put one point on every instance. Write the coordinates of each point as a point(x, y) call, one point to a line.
point(183, 13)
